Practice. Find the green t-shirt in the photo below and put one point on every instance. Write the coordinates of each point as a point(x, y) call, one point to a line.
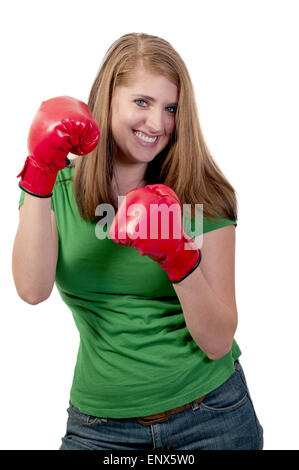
point(136, 356)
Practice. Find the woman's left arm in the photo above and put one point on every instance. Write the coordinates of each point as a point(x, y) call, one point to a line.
point(207, 295)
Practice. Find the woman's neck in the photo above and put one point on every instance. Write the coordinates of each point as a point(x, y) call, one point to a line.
point(128, 177)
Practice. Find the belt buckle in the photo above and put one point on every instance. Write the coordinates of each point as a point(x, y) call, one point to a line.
point(148, 422)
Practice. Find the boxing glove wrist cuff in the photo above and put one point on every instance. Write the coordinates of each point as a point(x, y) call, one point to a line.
point(183, 263)
point(191, 270)
point(36, 179)
point(33, 194)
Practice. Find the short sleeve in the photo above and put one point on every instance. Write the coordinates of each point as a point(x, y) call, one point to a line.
point(22, 197)
point(209, 225)
point(195, 227)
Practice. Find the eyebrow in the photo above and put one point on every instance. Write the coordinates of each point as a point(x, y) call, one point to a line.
point(151, 99)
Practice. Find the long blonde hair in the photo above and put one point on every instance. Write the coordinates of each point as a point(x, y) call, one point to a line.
point(185, 165)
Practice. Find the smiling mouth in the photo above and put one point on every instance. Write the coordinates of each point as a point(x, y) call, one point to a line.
point(145, 138)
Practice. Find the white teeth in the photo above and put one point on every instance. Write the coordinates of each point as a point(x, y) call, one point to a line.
point(144, 137)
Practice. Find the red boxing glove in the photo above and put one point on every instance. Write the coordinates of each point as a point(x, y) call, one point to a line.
point(61, 125)
point(137, 224)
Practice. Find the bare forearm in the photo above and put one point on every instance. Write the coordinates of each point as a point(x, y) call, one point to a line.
point(211, 323)
point(34, 255)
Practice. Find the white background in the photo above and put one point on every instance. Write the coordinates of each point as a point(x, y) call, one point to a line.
point(243, 60)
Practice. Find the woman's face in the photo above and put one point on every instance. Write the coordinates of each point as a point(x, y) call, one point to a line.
point(143, 116)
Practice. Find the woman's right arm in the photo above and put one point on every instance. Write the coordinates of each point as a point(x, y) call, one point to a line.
point(35, 250)
point(61, 125)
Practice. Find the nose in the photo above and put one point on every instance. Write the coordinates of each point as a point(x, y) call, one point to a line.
point(155, 122)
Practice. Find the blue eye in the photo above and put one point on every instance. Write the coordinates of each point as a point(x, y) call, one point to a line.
point(139, 104)
point(174, 108)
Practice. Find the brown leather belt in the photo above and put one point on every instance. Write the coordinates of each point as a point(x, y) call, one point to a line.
point(160, 417)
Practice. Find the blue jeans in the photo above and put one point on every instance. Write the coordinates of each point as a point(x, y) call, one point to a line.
point(224, 420)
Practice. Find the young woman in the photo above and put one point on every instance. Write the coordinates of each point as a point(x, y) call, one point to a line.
point(157, 364)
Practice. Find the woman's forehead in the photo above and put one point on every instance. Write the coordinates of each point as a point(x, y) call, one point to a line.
point(151, 85)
